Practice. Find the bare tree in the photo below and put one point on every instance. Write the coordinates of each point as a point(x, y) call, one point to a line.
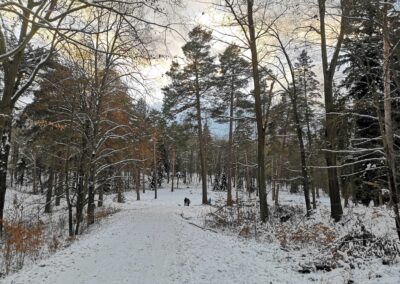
point(29, 33)
point(244, 13)
point(329, 68)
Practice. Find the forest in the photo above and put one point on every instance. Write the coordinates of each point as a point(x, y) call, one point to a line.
point(280, 120)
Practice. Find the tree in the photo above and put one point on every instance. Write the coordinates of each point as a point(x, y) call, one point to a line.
point(329, 69)
point(24, 50)
point(307, 87)
point(292, 90)
point(190, 86)
point(243, 13)
point(231, 84)
point(386, 123)
point(363, 60)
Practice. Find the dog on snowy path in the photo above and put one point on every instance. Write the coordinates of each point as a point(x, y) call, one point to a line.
point(186, 201)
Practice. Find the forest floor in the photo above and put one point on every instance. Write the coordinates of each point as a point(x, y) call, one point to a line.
point(161, 241)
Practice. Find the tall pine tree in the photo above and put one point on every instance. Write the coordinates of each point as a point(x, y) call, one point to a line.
point(231, 97)
point(190, 86)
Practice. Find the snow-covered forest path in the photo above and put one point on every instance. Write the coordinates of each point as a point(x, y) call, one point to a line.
point(150, 242)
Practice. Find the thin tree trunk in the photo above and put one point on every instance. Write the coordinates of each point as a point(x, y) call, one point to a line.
point(310, 149)
point(230, 146)
point(79, 200)
point(203, 169)
point(80, 190)
point(67, 196)
point(120, 196)
point(273, 183)
point(248, 183)
point(58, 188)
point(91, 205)
point(101, 196)
point(49, 193)
point(34, 177)
point(137, 181)
point(277, 194)
point(155, 167)
point(173, 169)
point(143, 181)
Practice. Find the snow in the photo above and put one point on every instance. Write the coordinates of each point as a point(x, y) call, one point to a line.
point(153, 241)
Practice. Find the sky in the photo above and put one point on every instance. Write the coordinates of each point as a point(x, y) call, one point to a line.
point(193, 13)
point(206, 14)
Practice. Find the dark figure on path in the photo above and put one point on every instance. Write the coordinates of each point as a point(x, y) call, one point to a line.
point(186, 201)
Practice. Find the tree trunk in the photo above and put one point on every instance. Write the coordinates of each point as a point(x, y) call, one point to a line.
point(80, 199)
point(273, 177)
point(120, 196)
point(80, 190)
point(58, 188)
point(387, 133)
point(173, 168)
point(247, 174)
point(230, 146)
point(4, 152)
point(137, 181)
point(310, 149)
point(49, 193)
point(155, 168)
point(259, 116)
point(91, 205)
point(67, 196)
point(330, 156)
point(277, 194)
point(101, 196)
point(143, 182)
point(330, 126)
point(34, 177)
point(203, 169)
point(13, 170)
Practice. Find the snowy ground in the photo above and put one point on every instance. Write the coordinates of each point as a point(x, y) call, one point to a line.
point(149, 242)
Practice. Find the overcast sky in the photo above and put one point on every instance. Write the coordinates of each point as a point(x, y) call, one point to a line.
point(193, 13)
point(205, 13)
